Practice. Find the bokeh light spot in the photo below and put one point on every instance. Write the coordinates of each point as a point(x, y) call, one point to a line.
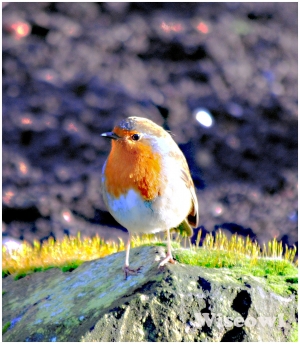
point(217, 209)
point(49, 77)
point(8, 195)
point(72, 127)
point(67, 216)
point(202, 27)
point(23, 168)
point(204, 117)
point(26, 120)
point(20, 29)
point(175, 27)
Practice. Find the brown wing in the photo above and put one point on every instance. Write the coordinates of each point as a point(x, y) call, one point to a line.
point(193, 216)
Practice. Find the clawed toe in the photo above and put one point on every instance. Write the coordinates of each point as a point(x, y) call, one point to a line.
point(128, 271)
point(168, 259)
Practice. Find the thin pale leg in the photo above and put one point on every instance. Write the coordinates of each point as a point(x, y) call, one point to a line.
point(127, 251)
point(126, 268)
point(169, 257)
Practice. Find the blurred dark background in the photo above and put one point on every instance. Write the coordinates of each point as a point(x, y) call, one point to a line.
point(221, 76)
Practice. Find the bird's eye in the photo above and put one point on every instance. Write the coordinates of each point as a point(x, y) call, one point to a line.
point(135, 137)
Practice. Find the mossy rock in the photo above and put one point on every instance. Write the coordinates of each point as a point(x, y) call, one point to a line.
point(95, 303)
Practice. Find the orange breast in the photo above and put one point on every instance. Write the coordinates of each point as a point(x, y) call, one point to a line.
point(133, 166)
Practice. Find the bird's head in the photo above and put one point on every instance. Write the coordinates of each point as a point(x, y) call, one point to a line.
point(137, 133)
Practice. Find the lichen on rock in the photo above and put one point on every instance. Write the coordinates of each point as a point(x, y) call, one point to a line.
point(176, 303)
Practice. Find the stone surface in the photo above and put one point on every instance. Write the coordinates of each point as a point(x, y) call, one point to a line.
point(95, 303)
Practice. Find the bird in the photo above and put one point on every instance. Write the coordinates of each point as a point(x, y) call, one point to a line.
point(146, 183)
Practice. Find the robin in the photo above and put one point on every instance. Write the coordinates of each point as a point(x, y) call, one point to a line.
point(146, 183)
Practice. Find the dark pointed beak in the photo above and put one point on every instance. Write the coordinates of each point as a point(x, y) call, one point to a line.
point(111, 135)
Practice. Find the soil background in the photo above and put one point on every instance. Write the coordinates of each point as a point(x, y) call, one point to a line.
point(72, 70)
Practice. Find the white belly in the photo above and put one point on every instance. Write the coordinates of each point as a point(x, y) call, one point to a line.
point(164, 212)
point(139, 216)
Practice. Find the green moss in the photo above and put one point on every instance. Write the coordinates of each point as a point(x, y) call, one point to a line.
point(5, 273)
point(275, 272)
point(71, 322)
point(71, 266)
point(278, 285)
point(6, 327)
point(294, 333)
point(222, 259)
point(67, 253)
point(292, 280)
point(216, 252)
point(20, 275)
point(293, 290)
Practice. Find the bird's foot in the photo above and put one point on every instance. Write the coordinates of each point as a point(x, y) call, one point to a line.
point(168, 259)
point(128, 271)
